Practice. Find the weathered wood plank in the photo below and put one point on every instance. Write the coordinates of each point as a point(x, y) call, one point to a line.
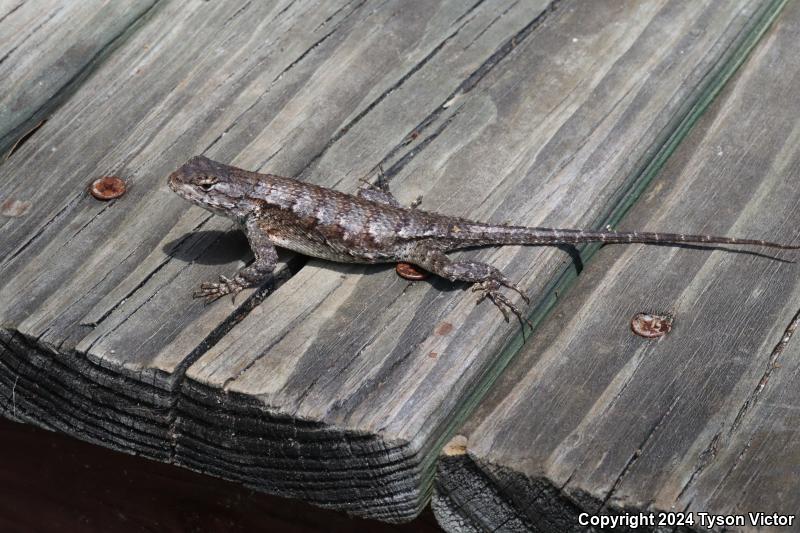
point(341, 386)
point(333, 389)
point(97, 321)
point(46, 48)
point(591, 418)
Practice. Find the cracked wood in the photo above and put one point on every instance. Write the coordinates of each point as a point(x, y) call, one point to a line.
point(341, 386)
point(95, 344)
point(355, 353)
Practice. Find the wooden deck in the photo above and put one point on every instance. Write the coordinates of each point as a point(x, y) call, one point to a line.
point(591, 418)
point(340, 385)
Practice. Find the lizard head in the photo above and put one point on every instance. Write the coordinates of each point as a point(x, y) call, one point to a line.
point(210, 185)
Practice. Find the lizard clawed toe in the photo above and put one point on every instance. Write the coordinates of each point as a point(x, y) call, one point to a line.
point(514, 287)
point(382, 183)
point(505, 282)
point(491, 289)
point(212, 291)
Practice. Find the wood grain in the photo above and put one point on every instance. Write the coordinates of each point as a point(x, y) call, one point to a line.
point(341, 386)
point(351, 377)
point(52, 483)
point(98, 322)
point(591, 418)
point(46, 48)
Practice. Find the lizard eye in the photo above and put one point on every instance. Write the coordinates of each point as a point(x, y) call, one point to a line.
point(206, 183)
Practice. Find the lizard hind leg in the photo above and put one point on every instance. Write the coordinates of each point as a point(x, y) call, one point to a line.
point(486, 279)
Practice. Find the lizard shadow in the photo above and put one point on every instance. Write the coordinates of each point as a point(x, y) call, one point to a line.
point(210, 247)
point(220, 247)
point(574, 255)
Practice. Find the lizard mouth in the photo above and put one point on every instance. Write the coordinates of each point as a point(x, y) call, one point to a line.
point(182, 189)
point(187, 192)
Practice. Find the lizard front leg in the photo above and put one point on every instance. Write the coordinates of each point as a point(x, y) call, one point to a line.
point(378, 196)
point(486, 279)
point(254, 274)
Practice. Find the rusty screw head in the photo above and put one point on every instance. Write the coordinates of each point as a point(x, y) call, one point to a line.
point(411, 272)
point(107, 188)
point(651, 326)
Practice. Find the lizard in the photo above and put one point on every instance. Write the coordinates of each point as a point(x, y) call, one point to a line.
point(372, 227)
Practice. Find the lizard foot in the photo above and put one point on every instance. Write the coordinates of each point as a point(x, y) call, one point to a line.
point(491, 289)
point(213, 291)
point(381, 183)
point(500, 279)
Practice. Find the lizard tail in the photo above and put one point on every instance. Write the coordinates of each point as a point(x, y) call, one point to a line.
point(487, 235)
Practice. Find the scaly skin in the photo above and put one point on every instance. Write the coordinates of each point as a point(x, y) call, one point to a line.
point(371, 227)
